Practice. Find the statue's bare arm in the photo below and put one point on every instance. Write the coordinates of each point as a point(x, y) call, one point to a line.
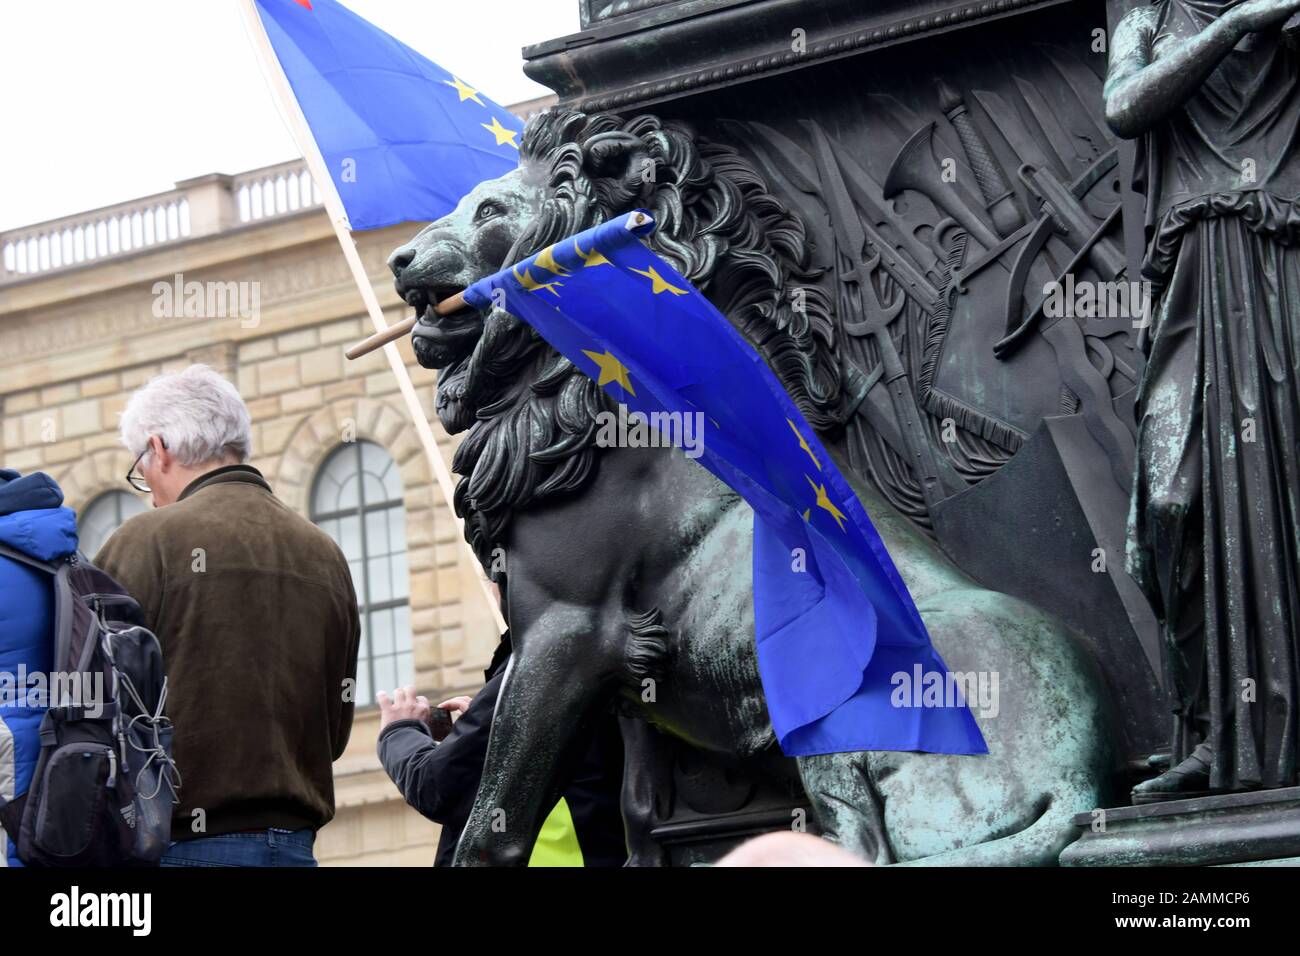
point(1140, 91)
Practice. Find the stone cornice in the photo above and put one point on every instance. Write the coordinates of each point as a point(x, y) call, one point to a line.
point(231, 245)
point(49, 333)
point(664, 52)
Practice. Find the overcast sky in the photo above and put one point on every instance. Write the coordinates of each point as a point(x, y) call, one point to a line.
point(106, 100)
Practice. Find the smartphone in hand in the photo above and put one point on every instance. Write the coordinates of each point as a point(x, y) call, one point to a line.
point(439, 723)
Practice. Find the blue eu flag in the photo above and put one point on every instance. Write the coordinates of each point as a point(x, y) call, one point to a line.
point(402, 138)
point(834, 635)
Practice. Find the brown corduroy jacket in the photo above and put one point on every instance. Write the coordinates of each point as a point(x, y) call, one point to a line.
point(257, 617)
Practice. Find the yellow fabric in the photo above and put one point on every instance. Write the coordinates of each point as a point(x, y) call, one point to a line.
point(557, 844)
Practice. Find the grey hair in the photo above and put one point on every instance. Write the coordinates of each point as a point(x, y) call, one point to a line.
point(197, 413)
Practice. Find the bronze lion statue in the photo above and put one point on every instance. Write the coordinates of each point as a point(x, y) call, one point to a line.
point(628, 565)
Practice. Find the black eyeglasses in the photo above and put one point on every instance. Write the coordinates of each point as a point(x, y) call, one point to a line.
point(137, 481)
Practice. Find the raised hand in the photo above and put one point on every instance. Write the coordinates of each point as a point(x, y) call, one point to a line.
point(404, 705)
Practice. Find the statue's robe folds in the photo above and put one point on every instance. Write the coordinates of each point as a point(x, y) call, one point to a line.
point(1214, 535)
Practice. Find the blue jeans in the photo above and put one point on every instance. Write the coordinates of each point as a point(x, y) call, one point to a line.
point(273, 847)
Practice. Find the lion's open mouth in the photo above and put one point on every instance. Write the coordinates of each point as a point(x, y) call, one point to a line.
point(442, 340)
point(446, 343)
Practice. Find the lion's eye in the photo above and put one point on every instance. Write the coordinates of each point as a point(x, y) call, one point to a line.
point(486, 211)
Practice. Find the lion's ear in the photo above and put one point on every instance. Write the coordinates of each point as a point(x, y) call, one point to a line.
point(608, 154)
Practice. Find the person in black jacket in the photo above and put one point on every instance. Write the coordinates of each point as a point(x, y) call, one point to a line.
point(440, 778)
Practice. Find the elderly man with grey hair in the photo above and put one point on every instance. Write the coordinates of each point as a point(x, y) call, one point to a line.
point(257, 616)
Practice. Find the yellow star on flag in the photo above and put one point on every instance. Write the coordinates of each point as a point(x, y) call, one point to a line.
point(803, 443)
point(529, 284)
point(502, 134)
point(611, 370)
point(593, 258)
point(546, 260)
point(658, 283)
point(824, 502)
point(466, 91)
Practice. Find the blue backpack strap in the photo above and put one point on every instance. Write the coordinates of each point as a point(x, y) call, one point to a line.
point(27, 559)
point(64, 600)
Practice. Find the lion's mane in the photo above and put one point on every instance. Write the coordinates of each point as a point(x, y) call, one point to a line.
point(716, 223)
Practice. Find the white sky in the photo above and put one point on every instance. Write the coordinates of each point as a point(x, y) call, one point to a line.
point(106, 100)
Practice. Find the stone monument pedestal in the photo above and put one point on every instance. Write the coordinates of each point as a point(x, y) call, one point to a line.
point(1255, 828)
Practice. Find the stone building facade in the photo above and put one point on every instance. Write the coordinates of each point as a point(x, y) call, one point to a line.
point(87, 314)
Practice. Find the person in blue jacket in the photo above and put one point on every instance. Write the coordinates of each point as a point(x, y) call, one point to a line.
point(33, 522)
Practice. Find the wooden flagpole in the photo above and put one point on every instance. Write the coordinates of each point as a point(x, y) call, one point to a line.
point(293, 116)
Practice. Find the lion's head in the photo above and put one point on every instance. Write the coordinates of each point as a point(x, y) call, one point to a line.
point(530, 413)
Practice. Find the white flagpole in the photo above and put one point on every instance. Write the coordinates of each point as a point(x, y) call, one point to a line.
point(293, 117)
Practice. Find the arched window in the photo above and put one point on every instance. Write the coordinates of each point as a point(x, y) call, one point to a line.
point(357, 500)
point(103, 516)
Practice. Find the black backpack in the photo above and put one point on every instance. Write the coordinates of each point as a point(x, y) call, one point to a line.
point(105, 782)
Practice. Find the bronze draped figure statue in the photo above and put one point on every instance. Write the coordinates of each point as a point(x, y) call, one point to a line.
point(1212, 88)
